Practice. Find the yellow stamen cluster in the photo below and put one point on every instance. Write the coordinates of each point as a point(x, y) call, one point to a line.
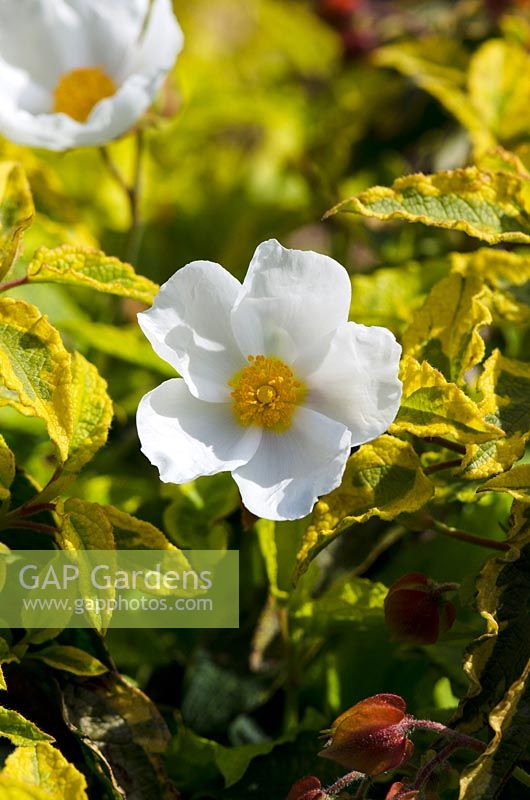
point(266, 393)
point(78, 91)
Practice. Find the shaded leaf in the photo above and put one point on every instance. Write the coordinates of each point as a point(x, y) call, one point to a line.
point(79, 266)
point(490, 206)
point(431, 406)
point(124, 731)
point(16, 212)
point(383, 478)
point(445, 331)
point(35, 370)
point(498, 662)
point(45, 768)
point(70, 659)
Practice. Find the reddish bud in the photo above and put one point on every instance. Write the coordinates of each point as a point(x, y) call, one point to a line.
point(308, 788)
point(371, 736)
point(335, 10)
point(416, 611)
point(397, 792)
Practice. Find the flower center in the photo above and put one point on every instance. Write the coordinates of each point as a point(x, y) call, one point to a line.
point(266, 393)
point(78, 91)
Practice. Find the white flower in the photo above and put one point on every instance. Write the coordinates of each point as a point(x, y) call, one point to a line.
point(277, 385)
point(81, 72)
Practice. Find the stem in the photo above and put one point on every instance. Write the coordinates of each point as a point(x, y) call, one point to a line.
point(12, 284)
point(427, 770)
point(345, 781)
point(443, 465)
point(132, 193)
point(34, 526)
point(28, 511)
point(467, 537)
point(456, 448)
point(458, 739)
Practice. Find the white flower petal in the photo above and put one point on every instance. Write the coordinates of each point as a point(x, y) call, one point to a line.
point(357, 381)
point(189, 327)
point(290, 299)
point(185, 437)
point(68, 34)
point(291, 470)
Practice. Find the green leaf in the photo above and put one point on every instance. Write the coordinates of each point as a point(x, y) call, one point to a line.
point(19, 730)
point(16, 212)
point(493, 207)
point(390, 296)
point(505, 389)
point(35, 371)
point(45, 768)
point(383, 478)
point(431, 406)
point(78, 266)
point(349, 600)
point(515, 482)
point(7, 471)
point(6, 654)
point(91, 411)
point(499, 88)
point(70, 659)
point(126, 343)
point(131, 533)
point(498, 664)
point(446, 330)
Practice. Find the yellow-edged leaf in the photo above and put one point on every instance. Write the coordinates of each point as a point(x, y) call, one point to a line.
point(11, 789)
point(505, 388)
point(45, 768)
point(445, 331)
point(131, 533)
point(35, 372)
point(493, 206)
point(507, 275)
point(383, 478)
point(431, 406)
point(16, 212)
point(79, 266)
point(515, 482)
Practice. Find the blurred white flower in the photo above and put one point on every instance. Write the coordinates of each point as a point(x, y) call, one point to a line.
point(81, 72)
point(277, 385)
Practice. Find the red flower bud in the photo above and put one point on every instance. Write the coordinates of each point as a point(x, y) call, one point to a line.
point(371, 736)
point(397, 791)
point(308, 788)
point(415, 610)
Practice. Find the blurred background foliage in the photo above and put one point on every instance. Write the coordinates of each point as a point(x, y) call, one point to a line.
point(275, 111)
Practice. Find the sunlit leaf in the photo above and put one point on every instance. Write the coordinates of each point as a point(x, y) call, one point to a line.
point(505, 389)
point(7, 471)
point(16, 212)
point(35, 371)
point(494, 207)
point(446, 330)
point(383, 478)
point(78, 266)
point(516, 481)
point(46, 769)
point(20, 731)
point(431, 406)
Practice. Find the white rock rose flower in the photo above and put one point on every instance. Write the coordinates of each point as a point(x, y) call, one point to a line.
point(81, 72)
point(277, 386)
